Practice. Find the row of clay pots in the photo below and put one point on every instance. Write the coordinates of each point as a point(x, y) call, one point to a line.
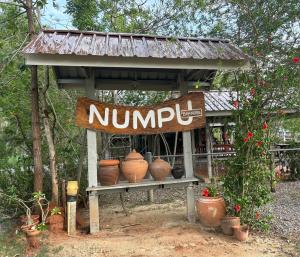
point(212, 213)
point(134, 168)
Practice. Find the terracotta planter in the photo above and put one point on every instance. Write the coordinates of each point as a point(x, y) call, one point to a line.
point(227, 223)
point(134, 167)
point(35, 219)
point(211, 210)
point(241, 233)
point(109, 172)
point(32, 226)
point(177, 172)
point(159, 169)
point(56, 223)
point(83, 217)
point(32, 237)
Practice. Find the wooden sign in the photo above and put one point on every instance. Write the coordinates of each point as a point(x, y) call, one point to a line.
point(182, 114)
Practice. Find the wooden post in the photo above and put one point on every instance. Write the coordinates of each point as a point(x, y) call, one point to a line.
point(148, 158)
point(92, 162)
point(208, 151)
point(188, 164)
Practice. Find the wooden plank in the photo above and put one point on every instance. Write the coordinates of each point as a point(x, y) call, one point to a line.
point(190, 203)
point(135, 62)
point(181, 114)
point(143, 184)
point(150, 193)
point(94, 212)
point(92, 163)
point(208, 151)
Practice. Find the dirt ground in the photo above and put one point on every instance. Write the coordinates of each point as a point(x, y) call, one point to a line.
point(162, 230)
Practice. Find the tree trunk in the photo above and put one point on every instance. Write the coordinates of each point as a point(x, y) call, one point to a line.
point(35, 119)
point(50, 141)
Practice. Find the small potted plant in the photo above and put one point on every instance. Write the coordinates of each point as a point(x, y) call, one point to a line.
point(241, 233)
point(231, 219)
point(31, 226)
point(56, 220)
point(210, 207)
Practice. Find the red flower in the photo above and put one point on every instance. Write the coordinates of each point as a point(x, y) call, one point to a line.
point(295, 59)
point(257, 215)
point(235, 103)
point(265, 125)
point(252, 91)
point(246, 139)
point(259, 143)
point(237, 208)
point(250, 134)
point(205, 192)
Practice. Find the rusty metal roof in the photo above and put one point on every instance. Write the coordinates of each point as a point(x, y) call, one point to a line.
point(69, 42)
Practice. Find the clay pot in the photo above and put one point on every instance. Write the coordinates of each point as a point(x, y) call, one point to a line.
point(159, 169)
point(241, 233)
point(24, 219)
point(134, 167)
point(109, 172)
point(32, 237)
point(56, 223)
point(211, 210)
point(177, 172)
point(227, 223)
point(83, 218)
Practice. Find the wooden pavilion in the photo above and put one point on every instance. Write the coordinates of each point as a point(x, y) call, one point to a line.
point(116, 61)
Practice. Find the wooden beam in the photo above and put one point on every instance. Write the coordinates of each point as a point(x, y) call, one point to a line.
point(188, 162)
point(120, 84)
point(208, 150)
point(134, 62)
point(92, 162)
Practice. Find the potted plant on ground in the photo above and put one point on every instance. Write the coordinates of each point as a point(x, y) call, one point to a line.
point(31, 226)
point(210, 207)
point(56, 220)
point(241, 233)
point(231, 219)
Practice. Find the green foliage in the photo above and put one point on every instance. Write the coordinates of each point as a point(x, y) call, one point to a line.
point(42, 227)
point(134, 16)
point(55, 211)
point(247, 182)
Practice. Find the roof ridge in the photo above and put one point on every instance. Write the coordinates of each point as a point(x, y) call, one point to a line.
point(135, 35)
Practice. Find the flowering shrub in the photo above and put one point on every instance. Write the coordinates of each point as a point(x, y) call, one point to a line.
point(256, 104)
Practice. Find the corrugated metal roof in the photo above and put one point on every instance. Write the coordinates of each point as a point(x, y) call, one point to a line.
point(68, 42)
point(219, 101)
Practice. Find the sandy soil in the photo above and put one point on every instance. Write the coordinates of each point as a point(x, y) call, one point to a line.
point(161, 230)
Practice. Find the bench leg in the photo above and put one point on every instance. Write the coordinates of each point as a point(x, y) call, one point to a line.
point(190, 203)
point(150, 196)
point(94, 213)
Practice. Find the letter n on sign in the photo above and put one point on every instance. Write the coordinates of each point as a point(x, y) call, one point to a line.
point(182, 114)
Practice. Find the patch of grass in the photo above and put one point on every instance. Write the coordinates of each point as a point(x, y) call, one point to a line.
point(12, 244)
point(43, 252)
point(57, 249)
point(298, 247)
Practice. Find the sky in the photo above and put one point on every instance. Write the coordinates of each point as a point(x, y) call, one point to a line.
point(54, 17)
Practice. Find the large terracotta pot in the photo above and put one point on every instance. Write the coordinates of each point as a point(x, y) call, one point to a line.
point(211, 210)
point(228, 222)
point(32, 237)
point(56, 223)
point(159, 169)
point(134, 167)
point(109, 172)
